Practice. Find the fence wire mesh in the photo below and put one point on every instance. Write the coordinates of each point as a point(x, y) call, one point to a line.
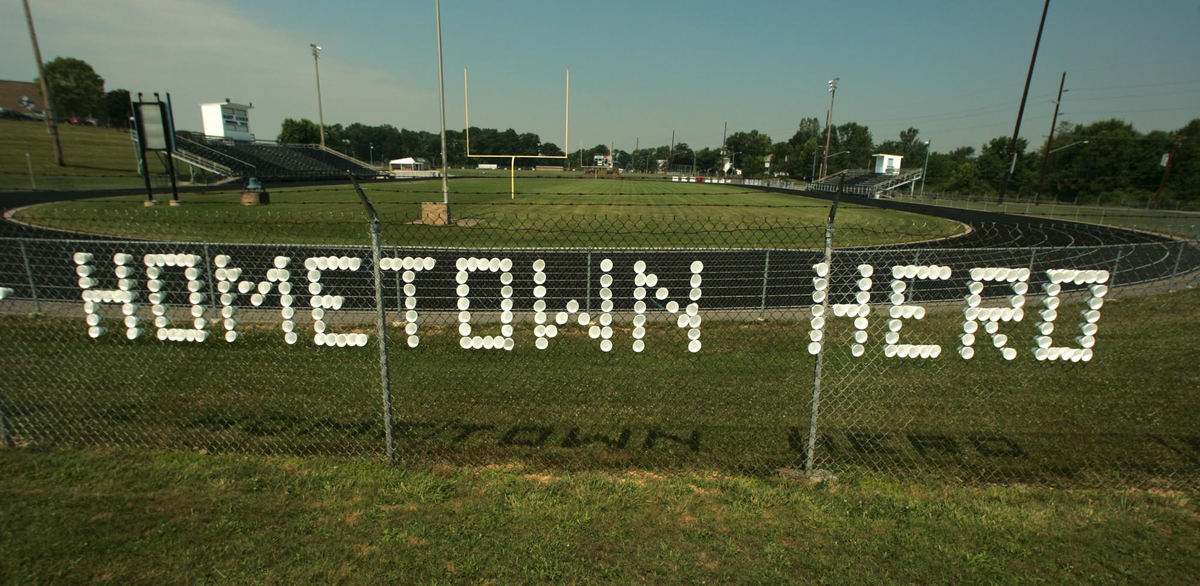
point(1018, 350)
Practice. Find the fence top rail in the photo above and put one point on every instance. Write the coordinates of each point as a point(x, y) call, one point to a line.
point(892, 249)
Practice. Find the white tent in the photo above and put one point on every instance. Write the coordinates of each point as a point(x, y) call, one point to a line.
point(408, 164)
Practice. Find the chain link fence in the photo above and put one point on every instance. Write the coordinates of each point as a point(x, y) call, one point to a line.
point(580, 342)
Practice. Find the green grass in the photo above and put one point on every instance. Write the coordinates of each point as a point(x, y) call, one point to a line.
point(96, 158)
point(741, 405)
point(146, 516)
point(546, 212)
point(1176, 223)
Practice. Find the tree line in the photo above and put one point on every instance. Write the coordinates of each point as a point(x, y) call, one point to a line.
point(1108, 161)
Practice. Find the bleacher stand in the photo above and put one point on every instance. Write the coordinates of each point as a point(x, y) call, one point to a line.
point(268, 160)
point(865, 182)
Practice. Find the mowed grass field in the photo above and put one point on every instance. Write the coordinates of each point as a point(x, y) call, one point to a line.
point(545, 212)
point(148, 516)
point(96, 158)
point(190, 504)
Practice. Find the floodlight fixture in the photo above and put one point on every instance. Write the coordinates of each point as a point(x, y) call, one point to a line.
point(829, 123)
point(513, 157)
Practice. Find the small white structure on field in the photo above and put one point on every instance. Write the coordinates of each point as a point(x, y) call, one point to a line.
point(227, 119)
point(409, 164)
point(887, 164)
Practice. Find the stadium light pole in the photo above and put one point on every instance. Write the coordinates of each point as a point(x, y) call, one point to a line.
point(316, 51)
point(925, 169)
point(829, 124)
point(371, 145)
point(47, 99)
point(437, 5)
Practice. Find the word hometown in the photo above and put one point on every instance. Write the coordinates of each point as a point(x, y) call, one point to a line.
point(980, 323)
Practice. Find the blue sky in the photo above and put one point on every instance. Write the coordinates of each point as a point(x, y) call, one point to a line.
point(953, 69)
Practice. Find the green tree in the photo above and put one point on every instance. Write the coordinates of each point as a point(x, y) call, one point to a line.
point(305, 131)
point(77, 89)
point(856, 140)
point(809, 128)
point(1184, 174)
point(707, 160)
point(115, 109)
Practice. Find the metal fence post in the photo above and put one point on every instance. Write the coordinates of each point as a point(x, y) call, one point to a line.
point(1178, 258)
point(587, 301)
point(208, 266)
point(762, 306)
point(1032, 256)
point(5, 434)
point(37, 305)
point(399, 297)
point(1112, 279)
point(913, 281)
point(816, 394)
point(385, 376)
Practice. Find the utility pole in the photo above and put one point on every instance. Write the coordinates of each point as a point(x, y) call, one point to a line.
point(829, 124)
point(1049, 140)
point(1012, 146)
point(47, 99)
point(671, 151)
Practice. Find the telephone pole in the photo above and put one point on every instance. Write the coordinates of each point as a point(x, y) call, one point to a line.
point(1049, 140)
point(1012, 146)
point(47, 99)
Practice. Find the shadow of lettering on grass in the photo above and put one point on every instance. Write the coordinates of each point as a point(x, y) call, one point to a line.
point(969, 454)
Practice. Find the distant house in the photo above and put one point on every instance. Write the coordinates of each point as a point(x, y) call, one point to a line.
point(21, 97)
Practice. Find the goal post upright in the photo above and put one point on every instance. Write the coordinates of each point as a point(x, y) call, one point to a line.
point(512, 166)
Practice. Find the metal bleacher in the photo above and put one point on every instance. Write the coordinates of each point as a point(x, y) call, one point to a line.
point(267, 160)
point(865, 182)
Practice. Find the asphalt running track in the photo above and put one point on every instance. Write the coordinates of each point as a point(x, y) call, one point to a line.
point(754, 280)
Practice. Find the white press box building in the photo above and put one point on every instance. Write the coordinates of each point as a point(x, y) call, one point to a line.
point(227, 119)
